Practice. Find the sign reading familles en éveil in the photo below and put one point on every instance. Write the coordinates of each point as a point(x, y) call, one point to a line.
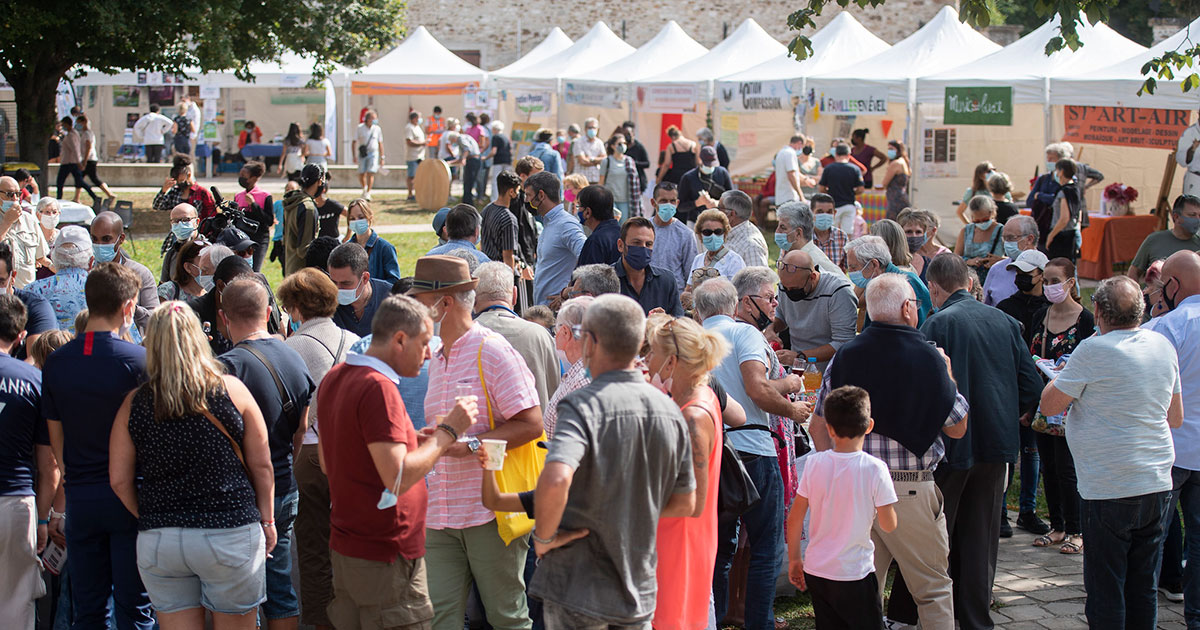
point(1124, 126)
point(990, 105)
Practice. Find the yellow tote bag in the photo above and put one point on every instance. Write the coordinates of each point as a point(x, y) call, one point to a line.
point(522, 466)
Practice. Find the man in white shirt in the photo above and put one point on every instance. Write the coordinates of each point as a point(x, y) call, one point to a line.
point(1188, 156)
point(588, 151)
point(368, 146)
point(787, 172)
point(414, 150)
point(192, 112)
point(151, 128)
point(744, 236)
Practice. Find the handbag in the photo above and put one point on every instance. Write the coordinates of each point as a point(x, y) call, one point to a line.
point(1050, 425)
point(736, 493)
point(522, 466)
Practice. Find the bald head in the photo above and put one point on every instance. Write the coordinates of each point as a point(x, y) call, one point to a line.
point(111, 220)
point(108, 229)
point(181, 212)
point(1119, 304)
point(1182, 270)
point(797, 270)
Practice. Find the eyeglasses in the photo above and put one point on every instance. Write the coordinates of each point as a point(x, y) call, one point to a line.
point(577, 331)
point(771, 299)
point(705, 272)
point(9, 194)
point(183, 220)
point(790, 268)
point(718, 232)
point(1012, 239)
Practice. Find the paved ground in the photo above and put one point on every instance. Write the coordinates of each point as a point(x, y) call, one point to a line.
point(1042, 588)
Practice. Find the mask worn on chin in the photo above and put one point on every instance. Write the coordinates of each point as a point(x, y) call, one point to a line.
point(663, 385)
point(761, 320)
point(985, 225)
point(914, 243)
point(1024, 282)
point(823, 222)
point(1056, 293)
point(562, 356)
point(637, 257)
point(1012, 250)
point(532, 206)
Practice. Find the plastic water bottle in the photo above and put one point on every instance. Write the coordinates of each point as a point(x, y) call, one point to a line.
point(812, 380)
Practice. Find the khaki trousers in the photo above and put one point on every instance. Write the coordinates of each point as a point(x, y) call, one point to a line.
point(921, 548)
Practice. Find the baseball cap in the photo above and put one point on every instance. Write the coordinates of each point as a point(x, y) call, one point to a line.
point(708, 156)
point(234, 239)
point(439, 220)
point(75, 236)
point(1029, 260)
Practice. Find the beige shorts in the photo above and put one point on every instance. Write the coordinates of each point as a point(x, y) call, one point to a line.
point(370, 595)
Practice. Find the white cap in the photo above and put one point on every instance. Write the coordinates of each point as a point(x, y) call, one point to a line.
point(74, 235)
point(1029, 260)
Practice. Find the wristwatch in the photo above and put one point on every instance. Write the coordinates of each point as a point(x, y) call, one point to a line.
point(473, 444)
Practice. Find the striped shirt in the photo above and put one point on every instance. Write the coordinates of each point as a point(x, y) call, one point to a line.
point(454, 486)
point(498, 232)
point(576, 378)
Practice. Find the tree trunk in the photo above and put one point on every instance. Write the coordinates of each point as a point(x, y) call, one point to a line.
point(36, 101)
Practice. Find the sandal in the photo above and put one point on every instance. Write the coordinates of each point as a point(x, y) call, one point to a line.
point(1052, 538)
point(1073, 545)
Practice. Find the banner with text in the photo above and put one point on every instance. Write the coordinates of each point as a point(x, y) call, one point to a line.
point(593, 95)
point(978, 105)
point(1124, 126)
point(535, 104)
point(667, 99)
point(754, 96)
point(857, 101)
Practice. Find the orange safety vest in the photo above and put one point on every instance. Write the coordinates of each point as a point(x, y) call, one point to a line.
point(434, 131)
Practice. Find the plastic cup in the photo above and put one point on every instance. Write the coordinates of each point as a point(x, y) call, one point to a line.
point(494, 449)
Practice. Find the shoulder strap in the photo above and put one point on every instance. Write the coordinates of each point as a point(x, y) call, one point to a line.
point(341, 344)
point(487, 399)
point(237, 449)
point(288, 405)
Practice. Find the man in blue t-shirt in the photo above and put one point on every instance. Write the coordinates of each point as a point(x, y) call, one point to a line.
point(359, 295)
point(278, 379)
point(23, 440)
point(39, 314)
point(83, 385)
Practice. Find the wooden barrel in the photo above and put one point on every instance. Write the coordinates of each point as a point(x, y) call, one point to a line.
point(431, 184)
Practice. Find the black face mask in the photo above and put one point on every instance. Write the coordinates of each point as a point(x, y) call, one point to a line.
point(761, 321)
point(1024, 282)
point(1169, 300)
point(243, 182)
point(806, 150)
point(798, 294)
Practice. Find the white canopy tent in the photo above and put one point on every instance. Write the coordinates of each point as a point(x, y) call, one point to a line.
point(554, 43)
point(671, 45)
point(746, 47)
point(419, 65)
point(1118, 83)
point(599, 47)
point(292, 70)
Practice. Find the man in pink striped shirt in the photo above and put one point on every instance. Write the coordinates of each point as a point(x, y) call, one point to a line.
point(462, 541)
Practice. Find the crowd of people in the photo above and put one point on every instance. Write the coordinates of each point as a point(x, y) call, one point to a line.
point(579, 412)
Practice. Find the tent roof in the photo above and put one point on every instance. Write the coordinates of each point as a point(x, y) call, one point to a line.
point(746, 47)
point(941, 44)
point(1024, 64)
point(556, 42)
point(672, 44)
point(843, 41)
point(419, 60)
point(1118, 83)
point(599, 47)
point(292, 69)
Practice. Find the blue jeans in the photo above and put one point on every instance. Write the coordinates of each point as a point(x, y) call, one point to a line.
point(1120, 560)
point(1030, 463)
point(1187, 491)
point(102, 544)
point(764, 529)
point(282, 601)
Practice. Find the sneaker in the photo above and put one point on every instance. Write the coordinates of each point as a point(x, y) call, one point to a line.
point(890, 624)
point(1005, 527)
point(1173, 592)
point(367, 195)
point(1029, 522)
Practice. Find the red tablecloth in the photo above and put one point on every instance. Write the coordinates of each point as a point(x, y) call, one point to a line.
point(1108, 241)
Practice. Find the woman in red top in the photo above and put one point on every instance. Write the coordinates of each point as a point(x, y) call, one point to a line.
point(681, 356)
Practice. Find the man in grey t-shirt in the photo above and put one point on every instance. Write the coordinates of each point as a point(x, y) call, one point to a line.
point(818, 309)
point(619, 461)
point(1118, 432)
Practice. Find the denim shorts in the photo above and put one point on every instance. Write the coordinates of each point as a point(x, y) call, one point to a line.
point(369, 164)
point(412, 165)
point(222, 570)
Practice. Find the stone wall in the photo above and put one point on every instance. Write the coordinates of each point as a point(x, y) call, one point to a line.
point(502, 30)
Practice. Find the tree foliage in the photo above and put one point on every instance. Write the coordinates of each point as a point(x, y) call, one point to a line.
point(982, 13)
point(42, 43)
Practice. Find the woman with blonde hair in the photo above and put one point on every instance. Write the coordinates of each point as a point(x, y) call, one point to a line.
point(712, 228)
point(205, 507)
point(897, 242)
point(381, 255)
point(682, 353)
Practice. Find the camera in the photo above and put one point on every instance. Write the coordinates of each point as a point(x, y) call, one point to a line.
point(228, 215)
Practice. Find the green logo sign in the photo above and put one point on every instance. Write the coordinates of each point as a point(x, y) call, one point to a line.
point(978, 105)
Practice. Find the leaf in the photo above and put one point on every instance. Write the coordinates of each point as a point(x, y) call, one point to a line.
point(1191, 82)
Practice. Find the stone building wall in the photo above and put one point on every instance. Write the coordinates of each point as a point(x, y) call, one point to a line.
point(502, 30)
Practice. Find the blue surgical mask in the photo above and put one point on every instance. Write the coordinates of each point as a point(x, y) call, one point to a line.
point(832, 152)
point(666, 212)
point(891, 153)
point(985, 225)
point(1012, 250)
point(638, 257)
point(183, 230)
point(205, 282)
point(858, 279)
point(1050, 167)
point(346, 297)
point(5, 206)
point(823, 222)
point(713, 242)
point(360, 226)
point(104, 253)
point(591, 133)
point(782, 241)
point(1191, 225)
point(294, 325)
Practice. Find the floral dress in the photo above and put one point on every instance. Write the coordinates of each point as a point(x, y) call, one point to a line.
point(1051, 345)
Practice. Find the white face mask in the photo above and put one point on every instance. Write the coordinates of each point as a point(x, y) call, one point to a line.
point(50, 221)
point(205, 282)
point(346, 297)
point(663, 385)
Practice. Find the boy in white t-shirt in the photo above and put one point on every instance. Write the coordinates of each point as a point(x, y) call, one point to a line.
point(847, 488)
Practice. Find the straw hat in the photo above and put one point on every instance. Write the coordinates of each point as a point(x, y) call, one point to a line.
point(441, 274)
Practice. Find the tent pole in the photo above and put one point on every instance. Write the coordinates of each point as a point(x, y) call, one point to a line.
point(346, 130)
point(803, 97)
point(910, 114)
point(1047, 111)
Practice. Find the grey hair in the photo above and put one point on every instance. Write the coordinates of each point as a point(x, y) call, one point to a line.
point(466, 299)
point(750, 279)
point(1119, 302)
point(868, 248)
point(886, 295)
point(216, 253)
point(465, 254)
point(739, 202)
point(46, 202)
point(68, 255)
point(1061, 149)
point(617, 323)
point(591, 121)
point(497, 126)
point(596, 279)
point(1027, 225)
point(572, 311)
point(982, 202)
point(893, 235)
point(495, 282)
point(798, 215)
point(715, 297)
point(919, 215)
point(704, 133)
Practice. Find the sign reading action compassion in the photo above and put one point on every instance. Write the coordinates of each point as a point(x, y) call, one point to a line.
point(753, 96)
point(1124, 126)
point(978, 105)
point(852, 101)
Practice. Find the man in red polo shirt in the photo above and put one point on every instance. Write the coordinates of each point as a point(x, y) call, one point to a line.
point(376, 464)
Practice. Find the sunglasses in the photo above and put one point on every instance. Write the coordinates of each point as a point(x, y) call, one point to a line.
point(718, 232)
point(706, 272)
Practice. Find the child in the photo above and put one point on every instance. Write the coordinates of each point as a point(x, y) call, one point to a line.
point(846, 488)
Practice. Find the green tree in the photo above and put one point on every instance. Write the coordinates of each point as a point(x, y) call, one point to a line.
point(40, 44)
point(1125, 16)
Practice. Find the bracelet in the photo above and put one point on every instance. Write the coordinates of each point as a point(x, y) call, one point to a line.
point(43, 521)
point(449, 430)
point(546, 541)
point(270, 523)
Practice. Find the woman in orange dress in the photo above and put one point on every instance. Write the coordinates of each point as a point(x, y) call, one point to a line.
point(681, 355)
